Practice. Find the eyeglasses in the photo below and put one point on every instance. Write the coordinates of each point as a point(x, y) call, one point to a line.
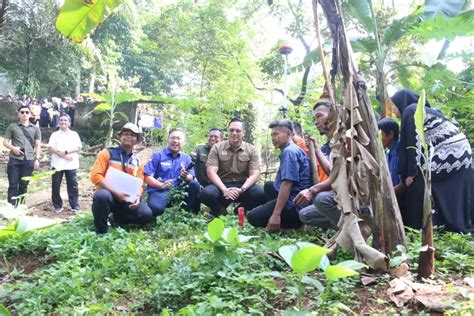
point(232, 130)
point(24, 112)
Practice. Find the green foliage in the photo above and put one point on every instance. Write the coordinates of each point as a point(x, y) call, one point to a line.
point(440, 27)
point(4, 311)
point(361, 10)
point(77, 18)
point(38, 61)
point(305, 257)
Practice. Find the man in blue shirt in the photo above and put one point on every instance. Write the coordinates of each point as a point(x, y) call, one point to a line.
point(390, 132)
point(168, 168)
point(293, 176)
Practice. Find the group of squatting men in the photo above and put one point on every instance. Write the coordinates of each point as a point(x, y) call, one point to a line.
point(216, 174)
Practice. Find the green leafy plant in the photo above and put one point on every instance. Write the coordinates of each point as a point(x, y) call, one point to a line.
point(108, 109)
point(226, 243)
point(305, 257)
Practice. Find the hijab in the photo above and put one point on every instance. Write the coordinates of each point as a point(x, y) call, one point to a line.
point(405, 97)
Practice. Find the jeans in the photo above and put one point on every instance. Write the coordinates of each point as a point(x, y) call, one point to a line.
point(158, 200)
point(17, 169)
point(104, 203)
point(260, 215)
point(324, 213)
point(214, 198)
point(71, 185)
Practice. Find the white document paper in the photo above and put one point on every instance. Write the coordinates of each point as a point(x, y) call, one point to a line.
point(123, 182)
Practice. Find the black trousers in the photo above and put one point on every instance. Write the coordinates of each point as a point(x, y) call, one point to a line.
point(17, 169)
point(260, 215)
point(214, 198)
point(104, 203)
point(71, 185)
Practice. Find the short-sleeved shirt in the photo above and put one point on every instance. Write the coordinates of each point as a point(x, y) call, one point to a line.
point(233, 165)
point(201, 152)
point(68, 141)
point(165, 165)
point(15, 133)
point(294, 167)
point(118, 158)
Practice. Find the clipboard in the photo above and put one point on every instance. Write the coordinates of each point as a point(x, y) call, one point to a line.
point(123, 182)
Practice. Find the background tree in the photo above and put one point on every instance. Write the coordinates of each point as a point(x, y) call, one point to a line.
point(39, 62)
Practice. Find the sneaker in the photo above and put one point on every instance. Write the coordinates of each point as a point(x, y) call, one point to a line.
point(75, 209)
point(58, 209)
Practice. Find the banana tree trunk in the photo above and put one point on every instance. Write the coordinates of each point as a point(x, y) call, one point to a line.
point(362, 183)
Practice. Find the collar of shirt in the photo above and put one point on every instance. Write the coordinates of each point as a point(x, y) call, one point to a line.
point(122, 151)
point(284, 147)
point(227, 146)
point(168, 152)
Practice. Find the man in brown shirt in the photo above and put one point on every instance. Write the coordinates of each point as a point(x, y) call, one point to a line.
point(24, 141)
point(233, 171)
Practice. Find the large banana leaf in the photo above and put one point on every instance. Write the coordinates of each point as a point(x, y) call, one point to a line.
point(78, 18)
point(361, 10)
point(27, 223)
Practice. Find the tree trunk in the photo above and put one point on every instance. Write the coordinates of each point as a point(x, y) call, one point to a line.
point(3, 14)
point(363, 183)
point(77, 87)
point(91, 84)
point(426, 259)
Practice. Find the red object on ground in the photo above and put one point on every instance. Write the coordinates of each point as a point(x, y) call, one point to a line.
point(241, 213)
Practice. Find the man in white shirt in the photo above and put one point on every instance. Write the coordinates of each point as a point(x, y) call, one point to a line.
point(65, 145)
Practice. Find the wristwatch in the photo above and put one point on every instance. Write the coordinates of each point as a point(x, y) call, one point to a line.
point(65, 152)
point(243, 188)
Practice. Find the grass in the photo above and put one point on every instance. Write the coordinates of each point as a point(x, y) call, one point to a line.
point(158, 268)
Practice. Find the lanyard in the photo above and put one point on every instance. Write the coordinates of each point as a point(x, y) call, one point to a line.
point(124, 168)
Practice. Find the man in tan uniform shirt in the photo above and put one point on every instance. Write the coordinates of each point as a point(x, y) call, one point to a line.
point(233, 171)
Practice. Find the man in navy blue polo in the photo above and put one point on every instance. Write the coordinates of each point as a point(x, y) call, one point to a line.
point(166, 169)
point(293, 176)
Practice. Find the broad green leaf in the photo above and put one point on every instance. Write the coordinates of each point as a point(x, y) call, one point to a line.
point(29, 223)
point(203, 245)
point(446, 28)
point(77, 19)
point(361, 10)
point(420, 115)
point(339, 272)
point(122, 116)
point(4, 311)
point(232, 236)
point(352, 264)
point(287, 253)
point(102, 107)
point(398, 28)
point(123, 97)
point(215, 229)
point(307, 259)
point(324, 263)
point(313, 282)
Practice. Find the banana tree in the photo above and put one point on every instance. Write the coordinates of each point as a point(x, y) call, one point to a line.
point(107, 109)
